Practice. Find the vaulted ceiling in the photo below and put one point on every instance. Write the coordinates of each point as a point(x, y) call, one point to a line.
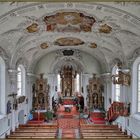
point(29, 31)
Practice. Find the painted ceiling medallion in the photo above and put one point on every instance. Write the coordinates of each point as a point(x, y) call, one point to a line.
point(93, 45)
point(32, 28)
point(44, 46)
point(68, 41)
point(69, 22)
point(105, 29)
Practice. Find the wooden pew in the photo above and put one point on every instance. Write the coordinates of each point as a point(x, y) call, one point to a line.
point(30, 131)
point(39, 125)
point(101, 130)
point(91, 131)
point(36, 130)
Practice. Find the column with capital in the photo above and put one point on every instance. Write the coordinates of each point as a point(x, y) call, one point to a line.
point(106, 81)
point(30, 78)
point(86, 94)
point(51, 93)
point(13, 81)
point(13, 93)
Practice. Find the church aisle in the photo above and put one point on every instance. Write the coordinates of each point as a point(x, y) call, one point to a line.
point(68, 123)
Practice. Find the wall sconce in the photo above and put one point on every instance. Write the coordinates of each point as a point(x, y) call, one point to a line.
point(12, 95)
point(122, 78)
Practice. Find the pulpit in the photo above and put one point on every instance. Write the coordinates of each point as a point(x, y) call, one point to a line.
point(117, 109)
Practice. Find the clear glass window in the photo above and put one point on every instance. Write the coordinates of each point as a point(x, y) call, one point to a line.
point(19, 81)
point(77, 82)
point(58, 83)
point(117, 89)
point(138, 93)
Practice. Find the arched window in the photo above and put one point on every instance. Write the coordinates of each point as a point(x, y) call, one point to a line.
point(19, 83)
point(115, 87)
point(136, 86)
point(138, 91)
point(20, 80)
point(117, 90)
point(77, 83)
point(2, 86)
point(58, 83)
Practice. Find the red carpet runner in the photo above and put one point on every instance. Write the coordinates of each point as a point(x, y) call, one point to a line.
point(68, 123)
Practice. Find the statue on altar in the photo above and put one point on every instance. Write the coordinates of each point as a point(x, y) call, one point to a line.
point(95, 100)
point(67, 92)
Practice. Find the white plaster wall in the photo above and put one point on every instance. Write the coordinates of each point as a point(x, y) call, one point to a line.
point(44, 64)
point(6, 120)
point(4, 126)
point(91, 65)
point(131, 7)
point(9, 122)
point(131, 124)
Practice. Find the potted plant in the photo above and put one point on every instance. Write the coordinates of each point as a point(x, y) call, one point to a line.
point(48, 115)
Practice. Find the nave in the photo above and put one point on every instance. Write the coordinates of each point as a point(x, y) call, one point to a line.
point(70, 68)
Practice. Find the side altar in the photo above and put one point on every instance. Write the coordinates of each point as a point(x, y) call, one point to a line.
point(40, 94)
point(95, 97)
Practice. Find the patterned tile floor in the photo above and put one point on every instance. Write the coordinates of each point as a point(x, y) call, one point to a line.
point(68, 123)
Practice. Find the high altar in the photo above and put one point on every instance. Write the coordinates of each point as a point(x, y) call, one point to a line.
point(40, 94)
point(68, 76)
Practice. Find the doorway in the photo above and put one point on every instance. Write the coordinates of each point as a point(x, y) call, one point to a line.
point(81, 102)
point(21, 117)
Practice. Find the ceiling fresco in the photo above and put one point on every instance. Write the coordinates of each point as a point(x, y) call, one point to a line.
point(32, 28)
point(93, 45)
point(68, 41)
point(103, 30)
point(44, 45)
point(69, 22)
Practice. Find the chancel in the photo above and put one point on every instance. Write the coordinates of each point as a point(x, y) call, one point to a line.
point(69, 70)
